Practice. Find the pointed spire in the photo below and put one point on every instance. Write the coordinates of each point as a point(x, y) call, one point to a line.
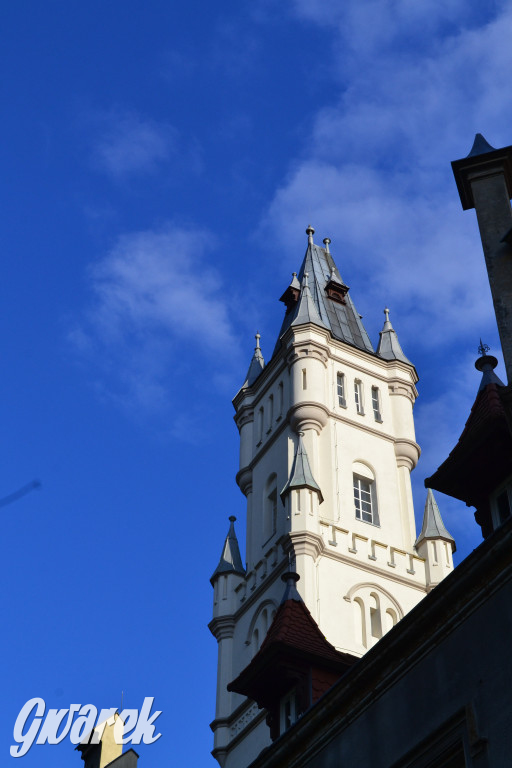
point(389, 347)
point(291, 578)
point(486, 364)
point(306, 311)
point(433, 526)
point(301, 475)
point(256, 366)
point(480, 146)
point(230, 560)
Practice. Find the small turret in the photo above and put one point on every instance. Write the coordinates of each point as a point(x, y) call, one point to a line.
point(389, 347)
point(434, 543)
point(256, 366)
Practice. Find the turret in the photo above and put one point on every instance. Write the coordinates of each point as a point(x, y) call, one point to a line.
point(435, 544)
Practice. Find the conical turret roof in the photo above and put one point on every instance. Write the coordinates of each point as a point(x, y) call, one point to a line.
point(230, 560)
point(301, 475)
point(389, 347)
point(433, 526)
point(256, 366)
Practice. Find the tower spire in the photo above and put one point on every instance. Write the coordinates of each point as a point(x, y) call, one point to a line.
point(230, 560)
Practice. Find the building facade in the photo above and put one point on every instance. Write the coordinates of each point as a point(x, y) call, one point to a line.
point(327, 445)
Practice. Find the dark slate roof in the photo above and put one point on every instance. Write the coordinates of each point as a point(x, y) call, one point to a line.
point(389, 347)
point(230, 560)
point(256, 366)
point(487, 364)
point(480, 146)
point(305, 310)
point(301, 475)
point(433, 526)
point(342, 320)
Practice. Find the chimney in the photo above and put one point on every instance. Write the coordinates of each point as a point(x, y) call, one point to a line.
point(484, 181)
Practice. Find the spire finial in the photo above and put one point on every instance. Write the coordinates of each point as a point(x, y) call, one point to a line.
point(232, 519)
point(483, 348)
point(257, 337)
point(386, 312)
point(310, 232)
point(326, 242)
point(305, 281)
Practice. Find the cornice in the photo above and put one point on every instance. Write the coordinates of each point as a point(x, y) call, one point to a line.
point(222, 627)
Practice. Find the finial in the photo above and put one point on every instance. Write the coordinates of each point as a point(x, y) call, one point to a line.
point(483, 348)
point(294, 274)
point(305, 280)
point(310, 232)
point(232, 519)
point(326, 242)
point(386, 312)
point(257, 337)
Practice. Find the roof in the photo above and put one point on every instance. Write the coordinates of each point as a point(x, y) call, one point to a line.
point(389, 347)
point(433, 526)
point(341, 319)
point(293, 634)
point(482, 457)
point(301, 475)
point(256, 366)
point(230, 560)
point(481, 160)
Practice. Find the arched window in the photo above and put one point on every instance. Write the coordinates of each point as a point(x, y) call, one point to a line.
point(375, 612)
point(365, 494)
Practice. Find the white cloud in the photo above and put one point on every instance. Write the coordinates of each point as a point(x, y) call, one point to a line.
point(377, 177)
point(154, 299)
point(129, 144)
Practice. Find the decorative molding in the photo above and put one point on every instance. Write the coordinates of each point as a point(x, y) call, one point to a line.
point(308, 415)
point(244, 480)
point(407, 452)
point(222, 627)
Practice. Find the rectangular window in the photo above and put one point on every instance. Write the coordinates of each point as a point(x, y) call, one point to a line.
point(358, 396)
point(304, 379)
point(376, 404)
point(340, 383)
point(365, 501)
point(280, 400)
point(260, 426)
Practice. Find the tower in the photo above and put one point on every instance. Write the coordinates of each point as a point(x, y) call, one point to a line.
point(327, 444)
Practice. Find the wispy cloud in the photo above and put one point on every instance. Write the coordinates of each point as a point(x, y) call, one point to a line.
point(129, 144)
point(415, 82)
point(377, 177)
point(154, 298)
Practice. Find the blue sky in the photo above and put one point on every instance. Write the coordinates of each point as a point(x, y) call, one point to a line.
point(160, 162)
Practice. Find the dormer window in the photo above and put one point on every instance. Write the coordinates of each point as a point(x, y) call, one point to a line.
point(335, 289)
point(501, 505)
point(288, 711)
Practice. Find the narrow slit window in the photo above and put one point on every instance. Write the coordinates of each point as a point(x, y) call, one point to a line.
point(358, 396)
point(260, 426)
point(280, 400)
point(270, 412)
point(376, 404)
point(340, 385)
point(304, 379)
